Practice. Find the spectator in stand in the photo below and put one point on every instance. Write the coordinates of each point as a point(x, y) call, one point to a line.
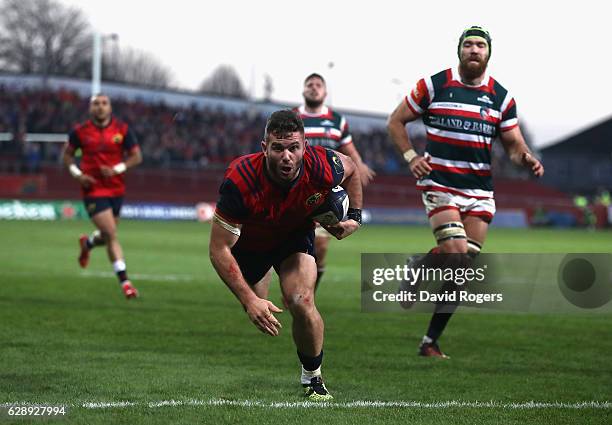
point(187, 137)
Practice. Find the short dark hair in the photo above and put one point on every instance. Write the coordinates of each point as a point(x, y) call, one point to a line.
point(282, 123)
point(315, 75)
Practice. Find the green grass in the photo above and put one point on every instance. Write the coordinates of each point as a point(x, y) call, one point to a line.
point(70, 337)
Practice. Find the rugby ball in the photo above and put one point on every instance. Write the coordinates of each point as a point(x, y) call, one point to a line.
point(333, 209)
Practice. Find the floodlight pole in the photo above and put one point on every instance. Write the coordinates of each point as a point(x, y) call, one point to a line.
point(96, 62)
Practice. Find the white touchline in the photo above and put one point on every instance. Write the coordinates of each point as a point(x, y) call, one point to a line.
point(357, 404)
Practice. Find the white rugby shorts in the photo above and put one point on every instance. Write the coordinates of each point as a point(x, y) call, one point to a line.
point(436, 201)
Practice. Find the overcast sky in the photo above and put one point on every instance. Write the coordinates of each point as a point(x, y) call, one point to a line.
point(552, 56)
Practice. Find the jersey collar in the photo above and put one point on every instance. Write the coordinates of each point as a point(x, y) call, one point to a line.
point(302, 111)
point(105, 126)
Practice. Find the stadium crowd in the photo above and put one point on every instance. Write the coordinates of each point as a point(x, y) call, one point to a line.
point(173, 137)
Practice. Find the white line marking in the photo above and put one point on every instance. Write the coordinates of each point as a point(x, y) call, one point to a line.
point(357, 404)
point(143, 276)
point(105, 274)
point(110, 405)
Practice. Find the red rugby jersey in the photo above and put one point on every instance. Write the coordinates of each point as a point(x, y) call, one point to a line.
point(271, 214)
point(102, 146)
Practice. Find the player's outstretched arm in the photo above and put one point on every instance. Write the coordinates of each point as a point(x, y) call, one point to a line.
point(396, 126)
point(68, 158)
point(351, 182)
point(259, 310)
point(518, 151)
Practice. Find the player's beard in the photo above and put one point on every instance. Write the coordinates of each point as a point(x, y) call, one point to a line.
point(312, 103)
point(471, 70)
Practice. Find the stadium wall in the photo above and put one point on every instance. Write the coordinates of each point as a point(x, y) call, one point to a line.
point(184, 185)
point(394, 199)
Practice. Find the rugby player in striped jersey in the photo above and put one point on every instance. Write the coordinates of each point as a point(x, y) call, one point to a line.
point(463, 110)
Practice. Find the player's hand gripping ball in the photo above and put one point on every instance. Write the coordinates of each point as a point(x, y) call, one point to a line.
point(333, 209)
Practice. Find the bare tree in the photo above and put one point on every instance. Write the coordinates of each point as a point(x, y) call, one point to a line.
point(48, 38)
point(134, 66)
point(44, 37)
point(224, 81)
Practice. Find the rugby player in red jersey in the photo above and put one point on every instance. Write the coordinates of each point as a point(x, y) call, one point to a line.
point(108, 149)
point(262, 221)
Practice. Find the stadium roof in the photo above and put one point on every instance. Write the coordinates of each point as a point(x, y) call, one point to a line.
point(594, 140)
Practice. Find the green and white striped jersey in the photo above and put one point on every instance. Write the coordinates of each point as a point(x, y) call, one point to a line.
point(461, 122)
point(328, 128)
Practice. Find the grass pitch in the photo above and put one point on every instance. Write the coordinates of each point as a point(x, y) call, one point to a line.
point(185, 352)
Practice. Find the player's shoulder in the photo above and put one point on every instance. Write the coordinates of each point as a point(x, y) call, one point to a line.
point(251, 158)
point(321, 164)
point(500, 91)
point(80, 126)
point(314, 152)
point(245, 171)
point(336, 116)
point(119, 124)
point(314, 164)
point(313, 157)
point(442, 77)
point(496, 84)
point(431, 83)
point(317, 159)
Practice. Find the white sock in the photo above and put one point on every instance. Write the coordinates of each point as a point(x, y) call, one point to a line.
point(119, 266)
point(426, 340)
point(308, 374)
